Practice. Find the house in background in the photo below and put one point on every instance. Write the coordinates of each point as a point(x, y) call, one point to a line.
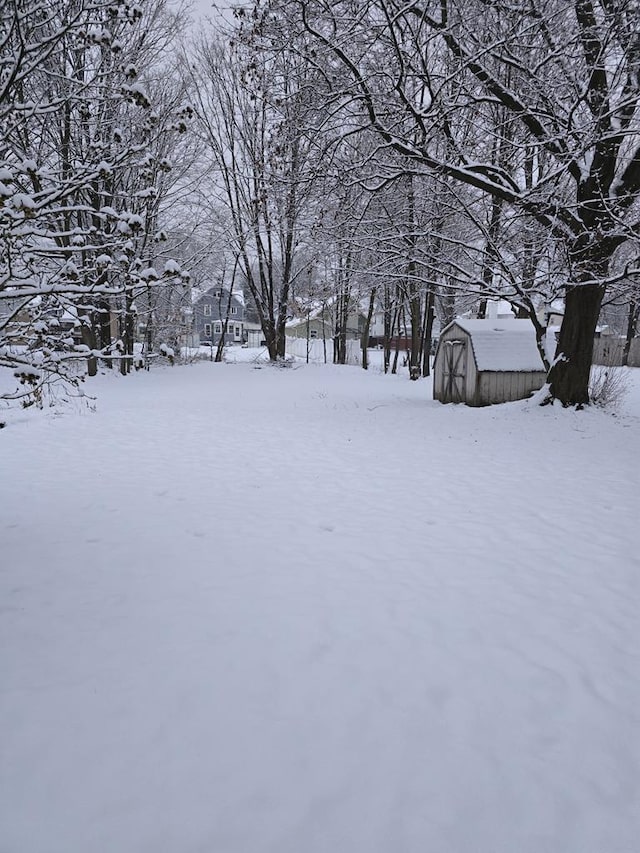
point(211, 308)
point(499, 309)
point(319, 323)
point(19, 317)
point(400, 339)
point(551, 314)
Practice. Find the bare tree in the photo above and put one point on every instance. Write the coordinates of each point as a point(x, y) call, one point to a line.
point(564, 76)
point(253, 109)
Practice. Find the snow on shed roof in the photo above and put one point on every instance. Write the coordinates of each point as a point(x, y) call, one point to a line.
point(503, 345)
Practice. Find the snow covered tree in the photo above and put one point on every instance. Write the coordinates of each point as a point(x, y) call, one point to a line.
point(255, 105)
point(472, 90)
point(80, 176)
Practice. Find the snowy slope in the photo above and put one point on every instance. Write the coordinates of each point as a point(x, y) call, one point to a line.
point(312, 611)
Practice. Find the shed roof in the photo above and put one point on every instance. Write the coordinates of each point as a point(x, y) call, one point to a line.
point(503, 345)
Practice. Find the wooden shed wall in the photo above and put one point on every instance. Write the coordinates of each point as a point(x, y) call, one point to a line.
point(453, 334)
point(486, 387)
point(506, 386)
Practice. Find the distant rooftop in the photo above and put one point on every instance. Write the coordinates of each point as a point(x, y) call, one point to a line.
point(198, 293)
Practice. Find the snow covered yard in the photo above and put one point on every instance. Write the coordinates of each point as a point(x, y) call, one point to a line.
point(312, 611)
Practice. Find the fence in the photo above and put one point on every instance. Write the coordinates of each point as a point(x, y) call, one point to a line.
point(320, 352)
point(608, 350)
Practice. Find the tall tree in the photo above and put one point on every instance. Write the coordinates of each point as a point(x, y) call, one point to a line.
point(253, 106)
point(565, 76)
point(81, 164)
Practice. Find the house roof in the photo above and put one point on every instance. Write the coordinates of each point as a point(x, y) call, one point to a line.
point(197, 295)
point(503, 345)
point(301, 321)
point(314, 309)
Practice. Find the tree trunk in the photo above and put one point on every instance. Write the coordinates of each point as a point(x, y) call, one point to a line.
point(340, 340)
point(281, 340)
point(127, 336)
point(569, 374)
point(448, 304)
point(632, 322)
point(105, 330)
point(364, 343)
point(415, 318)
point(413, 291)
point(324, 334)
point(271, 340)
point(490, 257)
point(428, 333)
point(396, 355)
point(224, 323)
point(88, 332)
point(389, 323)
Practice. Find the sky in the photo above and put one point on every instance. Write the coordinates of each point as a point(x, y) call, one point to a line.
point(203, 9)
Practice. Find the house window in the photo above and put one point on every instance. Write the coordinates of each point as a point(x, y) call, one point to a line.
point(313, 333)
point(207, 310)
point(207, 330)
point(234, 310)
point(238, 331)
point(217, 294)
point(218, 328)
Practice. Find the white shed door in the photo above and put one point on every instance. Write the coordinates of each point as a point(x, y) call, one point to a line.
point(455, 363)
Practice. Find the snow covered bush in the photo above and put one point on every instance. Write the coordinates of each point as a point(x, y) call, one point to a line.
point(608, 385)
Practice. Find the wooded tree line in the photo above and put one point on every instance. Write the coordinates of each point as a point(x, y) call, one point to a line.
point(89, 124)
point(415, 158)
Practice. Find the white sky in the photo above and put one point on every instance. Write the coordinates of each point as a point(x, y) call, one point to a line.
point(203, 9)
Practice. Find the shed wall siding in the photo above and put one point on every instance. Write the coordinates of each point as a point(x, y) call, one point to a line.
point(472, 375)
point(437, 379)
point(483, 388)
point(505, 387)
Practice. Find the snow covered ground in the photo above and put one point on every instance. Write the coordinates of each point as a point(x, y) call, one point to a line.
point(310, 610)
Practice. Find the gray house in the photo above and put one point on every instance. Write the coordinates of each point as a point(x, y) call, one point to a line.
point(210, 310)
point(480, 362)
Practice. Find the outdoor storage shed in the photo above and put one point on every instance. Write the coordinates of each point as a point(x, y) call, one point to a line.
point(479, 362)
